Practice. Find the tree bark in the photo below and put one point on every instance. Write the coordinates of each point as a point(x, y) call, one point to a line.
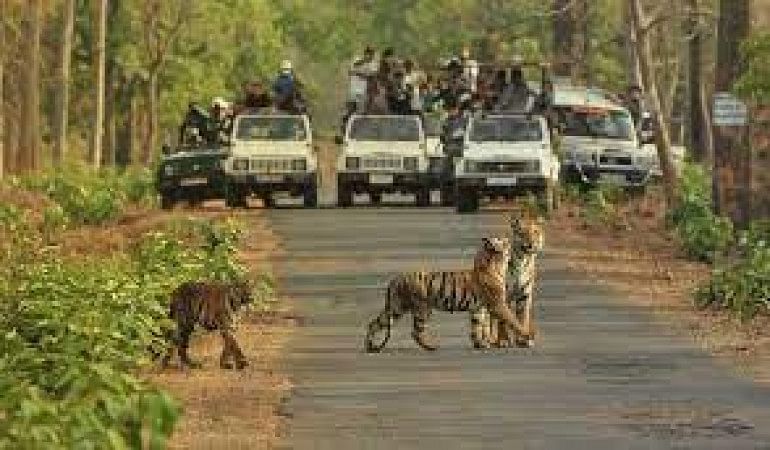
point(29, 151)
point(2, 89)
point(730, 149)
point(152, 119)
point(62, 105)
point(698, 122)
point(99, 58)
point(563, 37)
point(663, 136)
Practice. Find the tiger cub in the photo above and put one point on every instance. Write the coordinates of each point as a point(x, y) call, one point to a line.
point(419, 293)
point(527, 239)
point(212, 305)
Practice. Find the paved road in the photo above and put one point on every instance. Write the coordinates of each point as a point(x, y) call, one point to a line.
point(604, 375)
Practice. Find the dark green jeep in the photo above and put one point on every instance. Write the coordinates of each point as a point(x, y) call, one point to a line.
point(192, 175)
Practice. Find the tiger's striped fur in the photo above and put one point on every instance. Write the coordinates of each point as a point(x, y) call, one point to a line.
point(420, 293)
point(213, 306)
point(527, 239)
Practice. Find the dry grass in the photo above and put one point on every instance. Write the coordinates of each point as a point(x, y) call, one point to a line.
point(644, 263)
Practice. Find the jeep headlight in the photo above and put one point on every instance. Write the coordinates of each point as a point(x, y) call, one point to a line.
point(410, 163)
point(169, 170)
point(583, 157)
point(299, 165)
point(352, 163)
point(241, 164)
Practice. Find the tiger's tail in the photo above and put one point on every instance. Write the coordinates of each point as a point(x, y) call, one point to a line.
point(384, 320)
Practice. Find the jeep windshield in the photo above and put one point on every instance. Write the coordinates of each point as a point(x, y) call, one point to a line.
point(506, 129)
point(598, 123)
point(271, 129)
point(405, 128)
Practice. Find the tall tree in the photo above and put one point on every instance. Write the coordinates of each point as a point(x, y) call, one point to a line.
point(61, 113)
point(564, 31)
point(2, 87)
point(30, 136)
point(642, 26)
point(731, 151)
point(99, 63)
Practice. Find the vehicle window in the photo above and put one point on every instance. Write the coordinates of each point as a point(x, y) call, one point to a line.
point(506, 129)
point(597, 123)
point(271, 129)
point(385, 129)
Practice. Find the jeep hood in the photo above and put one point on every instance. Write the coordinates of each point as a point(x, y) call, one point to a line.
point(384, 148)
point(502, 151)
point(272, 148)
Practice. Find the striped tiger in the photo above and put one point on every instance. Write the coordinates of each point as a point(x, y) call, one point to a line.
point(213, 306)
point(419, 293)
point(527, 239)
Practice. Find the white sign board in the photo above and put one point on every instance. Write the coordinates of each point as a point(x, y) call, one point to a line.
point(729, 111)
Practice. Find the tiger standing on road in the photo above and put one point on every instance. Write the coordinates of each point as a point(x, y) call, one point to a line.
point(212, 305)
point(527, 239)
point(420, 293)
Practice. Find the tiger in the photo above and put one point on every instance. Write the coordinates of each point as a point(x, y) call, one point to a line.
point(212, 305)
point(419, 293)
point(527, 239)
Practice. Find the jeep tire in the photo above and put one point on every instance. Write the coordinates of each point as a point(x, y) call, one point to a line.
point(310, 196)
point(467, 201)
point(422, 197)
point(167, 200)
point(344, 196)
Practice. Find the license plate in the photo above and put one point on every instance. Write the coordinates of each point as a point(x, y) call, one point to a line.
point(269, 178)
point(613, 178)
point(193, 181)
point(497, 181)
point(381, 179)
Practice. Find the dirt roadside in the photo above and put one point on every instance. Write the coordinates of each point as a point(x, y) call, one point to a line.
point(641, 260)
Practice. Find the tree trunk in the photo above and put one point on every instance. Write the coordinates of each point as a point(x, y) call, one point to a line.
point(730, 149)
point(152, 110)
point(634, 71)
point(62, 105)
point(698, 122)
point(563, 37)
point(29, 150)
point(99, 58)
point(2, 90)
point(663, 137)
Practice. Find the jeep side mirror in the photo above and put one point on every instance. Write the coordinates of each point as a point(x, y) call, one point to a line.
point(165, 149)
point(338, 140)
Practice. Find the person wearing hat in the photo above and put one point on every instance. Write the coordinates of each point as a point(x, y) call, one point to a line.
point(361, 73)
point(470, 69)
point(285, 87)
point(516, 96)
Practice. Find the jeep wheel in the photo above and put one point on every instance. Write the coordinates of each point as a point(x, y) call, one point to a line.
point(447, 197)
point(167, 201)
point(344, 196)
point(235, 197)
point(375, 198)
point(467, 201)
point(268, 201)
point(422, 197)
point(310, 197)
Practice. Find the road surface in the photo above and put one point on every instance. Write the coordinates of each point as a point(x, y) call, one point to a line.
point(603, 375)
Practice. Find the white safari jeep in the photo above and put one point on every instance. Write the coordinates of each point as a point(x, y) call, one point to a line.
point(599, 142)
point(383, 154)
point(506, 155)
point(271, 153)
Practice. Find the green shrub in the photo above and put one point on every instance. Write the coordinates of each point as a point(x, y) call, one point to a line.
point(703, 235)
point(73, 337)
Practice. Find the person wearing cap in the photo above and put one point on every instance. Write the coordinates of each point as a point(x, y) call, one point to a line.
point(470, 69)
point(516, 96)
point(362, 71)
point(194, 125)
point(220, 122)
point(285, 87)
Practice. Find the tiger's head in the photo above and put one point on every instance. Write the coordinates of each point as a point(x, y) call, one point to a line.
point(528, 234)
point(499, 248)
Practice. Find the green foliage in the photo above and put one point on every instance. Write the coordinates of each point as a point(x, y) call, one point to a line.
point(703, 235)
point(754, 83)
point(87, 198)
point(743, 285)
point(73, 336)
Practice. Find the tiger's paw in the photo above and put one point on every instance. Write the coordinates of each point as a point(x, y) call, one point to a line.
point(424, 341)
